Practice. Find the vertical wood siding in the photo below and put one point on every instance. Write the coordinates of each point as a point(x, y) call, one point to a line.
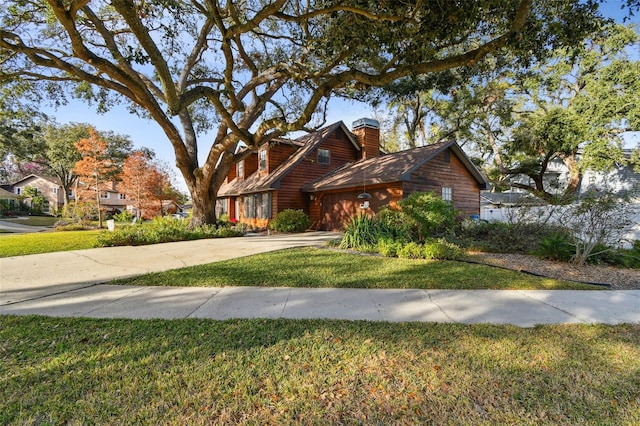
point(439, 173)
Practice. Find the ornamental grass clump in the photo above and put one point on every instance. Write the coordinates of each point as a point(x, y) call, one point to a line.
point(361, 233)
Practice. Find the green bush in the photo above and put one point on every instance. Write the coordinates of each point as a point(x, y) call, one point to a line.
point(162, 230)
point(501, 237)
point(411, 250)
point(441, 249)
point(388, 247)
point(555, 247)
point(123, 216)
point(626, 258)
point(431, 215)
point(290, 221)
point(395, 224)
point(72, 225)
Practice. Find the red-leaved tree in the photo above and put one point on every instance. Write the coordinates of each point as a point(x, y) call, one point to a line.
point(144, 183)
point(95, 170)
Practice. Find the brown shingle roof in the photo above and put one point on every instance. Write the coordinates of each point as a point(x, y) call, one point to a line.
point(307, 143)
point(388, 168)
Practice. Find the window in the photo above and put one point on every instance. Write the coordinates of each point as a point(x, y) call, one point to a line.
point(324, 157)
point(241, 169)
point(262, 160)
point(222, 206)
point(257, 206)
point(104, 195)
point(447, 156)
point(447, 194)
point(18, 190)
point(70, 193)
point(122, 196)
point(55, 190)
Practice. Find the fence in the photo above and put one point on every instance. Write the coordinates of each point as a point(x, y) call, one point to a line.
point(509, 214)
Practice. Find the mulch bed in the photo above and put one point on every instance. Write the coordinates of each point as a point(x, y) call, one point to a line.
point(615, 278)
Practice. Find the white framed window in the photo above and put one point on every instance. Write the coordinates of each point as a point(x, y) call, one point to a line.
point(104, 195)
point(55, 190)
point(18, 190)
point(122, 196)
point(447, 194)
point(262, 160)
point(324, 156)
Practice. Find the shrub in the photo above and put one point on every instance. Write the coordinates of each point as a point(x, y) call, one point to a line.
point(72, 225)
point(161, 230)
point(290, 221)
point(123, 216)
point(441, 249)
point(504, 237)
point(431, 214)
point(395, 224)
point(596, 221)
point(411, 250)
point(555, 247)
point(388, 247)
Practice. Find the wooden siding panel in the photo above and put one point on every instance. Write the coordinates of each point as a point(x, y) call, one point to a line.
point(439, 173)
point(278, 153)
point(341, 151)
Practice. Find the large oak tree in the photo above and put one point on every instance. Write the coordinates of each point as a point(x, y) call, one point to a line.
point(254, 70)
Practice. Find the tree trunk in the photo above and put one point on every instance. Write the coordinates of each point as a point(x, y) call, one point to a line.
point(203, 186)
point(203, 209)
point(574, 175)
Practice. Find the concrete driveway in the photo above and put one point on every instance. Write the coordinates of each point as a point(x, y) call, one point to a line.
point(38, 275)
point(17, 227)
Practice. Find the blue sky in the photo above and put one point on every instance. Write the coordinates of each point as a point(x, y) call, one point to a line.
point(145, 133)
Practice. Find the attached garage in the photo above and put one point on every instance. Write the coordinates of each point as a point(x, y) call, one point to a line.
point(442, 168)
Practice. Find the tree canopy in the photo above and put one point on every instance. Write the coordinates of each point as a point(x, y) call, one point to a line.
point(571, 107)
point(255, 70)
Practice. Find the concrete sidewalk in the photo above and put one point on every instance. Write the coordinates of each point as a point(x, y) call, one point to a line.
point(68, 284)
point(524, 308)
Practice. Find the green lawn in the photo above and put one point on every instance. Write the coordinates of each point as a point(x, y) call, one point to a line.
point(87, 371)
point(310, 267)
point(45, 242)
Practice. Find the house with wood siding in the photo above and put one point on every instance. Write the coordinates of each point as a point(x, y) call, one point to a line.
point(325, 174)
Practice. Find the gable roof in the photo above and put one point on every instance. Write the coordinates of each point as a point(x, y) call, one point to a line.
point(306, 143)
point(52, 179)
point(390, 168)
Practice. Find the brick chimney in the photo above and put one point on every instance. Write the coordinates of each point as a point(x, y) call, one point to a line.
point(367, 130)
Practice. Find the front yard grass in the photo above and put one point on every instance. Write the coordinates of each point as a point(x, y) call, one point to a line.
point(89, 371)
point(311, 267)
point(45, 242)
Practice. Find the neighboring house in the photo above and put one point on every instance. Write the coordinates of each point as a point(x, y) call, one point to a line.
point(112, 200)
point(328, 172)
point(51, 189)
point(48, 186)
point(622, 179)
point(9, 200)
